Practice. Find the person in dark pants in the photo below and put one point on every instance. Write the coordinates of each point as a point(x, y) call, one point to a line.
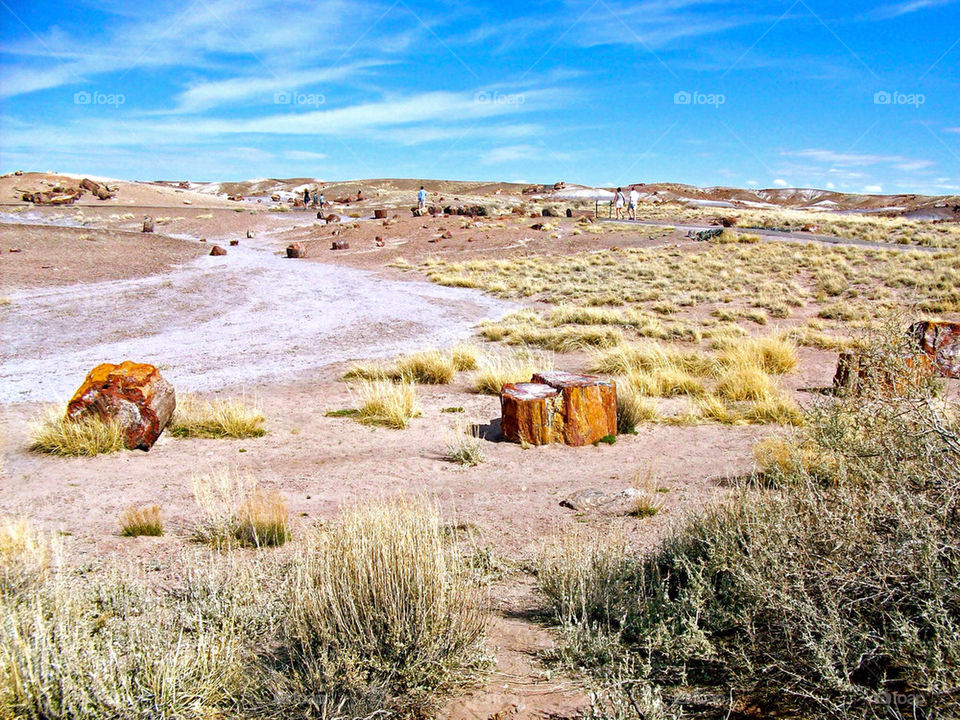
point(306, 196)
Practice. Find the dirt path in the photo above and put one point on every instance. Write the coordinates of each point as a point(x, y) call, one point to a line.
point(214, 322)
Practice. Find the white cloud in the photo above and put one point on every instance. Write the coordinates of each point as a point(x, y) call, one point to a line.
point(779, 182)
point(510, 153)
point(875, 189)
point(303, 155)
point(831, 186)
point(911, 6)
point(860, 159)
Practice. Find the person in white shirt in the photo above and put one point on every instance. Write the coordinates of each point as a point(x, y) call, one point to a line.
point(619, 202)
point(634, 199)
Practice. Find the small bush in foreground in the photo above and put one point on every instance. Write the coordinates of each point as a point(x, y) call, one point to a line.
point(466, 448)
point(383, 615)
point(54, 434)
point(382, 402)
point(25, 554)
point(234, 418)
point(135, 521)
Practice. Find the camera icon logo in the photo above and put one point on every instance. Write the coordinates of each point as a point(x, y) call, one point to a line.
point(882, 98)
point(281, 98)
point(682, 98)
point(81, 98)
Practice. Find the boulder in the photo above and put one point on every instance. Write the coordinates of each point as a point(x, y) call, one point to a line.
point(380, 214)
point(589, 406)
point(296, 250)
point(217, 251)
point(135, 395)
point(559, 407)
point(148, 225)
point(548, 212)
point(332, 218)
point(728, 221)
point(339, 245)
point(939, 341)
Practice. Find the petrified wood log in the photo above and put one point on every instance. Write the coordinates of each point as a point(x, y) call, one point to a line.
point(339, 245)
point(529, 413)
point(380, 214)
point(559, 407)
point(940, 341)
point(857, 372)
point(134, 395)
point(589, 408)
point(296, 250)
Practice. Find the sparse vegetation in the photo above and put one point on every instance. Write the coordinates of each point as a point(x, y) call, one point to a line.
point(430, 368)
point(382, 402)
point(495, 371)
point(218, 418)
point(466, 447)
point(137, 521)
point(54, 434)
point(787, 579)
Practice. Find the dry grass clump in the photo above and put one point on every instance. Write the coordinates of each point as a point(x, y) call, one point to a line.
point(234, 512)
point(560, 339)
point(386, 403)
point(137, 521)
point(745, 382)
point(53, 434)
point(646, 498)
point(431, 367)
point(465, 448)
point(780, 410)
point(465, 357)
point(665, 382)
point(774, 354)
point(633, 409)
point(495, 371)
point(218, 418)
point(383, 615)
point(26, 555)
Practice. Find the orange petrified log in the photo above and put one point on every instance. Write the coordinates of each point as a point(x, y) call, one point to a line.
point(134, 395)
point(589, 406)
point(559, 407)
point(940, 341)
point(529, 413)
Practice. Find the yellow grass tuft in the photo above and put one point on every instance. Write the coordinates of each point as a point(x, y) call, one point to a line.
point(633, 409)
point(25, 554)
point(235, 512)
point(495, 371)
point(773, 354)
point(430, 367)
point(54, 434)
point(465, 357)
point(745, 382)
point(386, 403)
point(226, 418)
point(137, 521)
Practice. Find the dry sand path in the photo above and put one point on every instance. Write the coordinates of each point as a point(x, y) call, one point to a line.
point(214, 322)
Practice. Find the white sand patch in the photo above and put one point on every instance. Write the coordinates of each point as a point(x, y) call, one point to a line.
point(217, 322)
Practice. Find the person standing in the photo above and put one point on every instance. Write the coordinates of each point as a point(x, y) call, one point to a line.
point(632, 207)
point(422, 198)
point(306, 196)
point(619, 201)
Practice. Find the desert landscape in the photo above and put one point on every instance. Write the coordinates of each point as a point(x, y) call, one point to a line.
point(348, 511)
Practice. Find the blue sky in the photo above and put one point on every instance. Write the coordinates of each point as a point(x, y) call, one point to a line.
point(855, 96)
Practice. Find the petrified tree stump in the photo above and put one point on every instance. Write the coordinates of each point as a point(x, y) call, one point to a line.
point(940, 341)
point(589, 408)
point(529, 413)
point(380, 214)
point(559, 407)
point(296, 250)
point(134, 395)
point(857, 372)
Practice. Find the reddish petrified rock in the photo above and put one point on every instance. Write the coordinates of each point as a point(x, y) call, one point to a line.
point(340, 245)
point(380, 214)
point(331, 218)
point(56, 196)
point(102, 193)
point(296, 250)
point(588, 410)
point(380, 242)
point(135, 395)
point(217, 251)
point(148, 225)
point(857, 371)
point(234, 243)
point(559, 407)
point(529, 413)
point(940, 341)
point(90, 185)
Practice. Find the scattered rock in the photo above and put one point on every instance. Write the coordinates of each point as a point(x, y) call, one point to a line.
point(548, 212)
point(148, 224)
point(340, 245)
point(217, 251)
point(939, 341)
point(379, 241)
point(380, 214)
point(728, 221)
point(447, 235)
point(234, 243)
point(296, 250)
point(249, 234)
point(14, 250)
point(135, 395)
point(332, 218)
point(56, 196)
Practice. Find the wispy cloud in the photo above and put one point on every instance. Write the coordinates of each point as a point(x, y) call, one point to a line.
point(889, 12)
point(850, 159)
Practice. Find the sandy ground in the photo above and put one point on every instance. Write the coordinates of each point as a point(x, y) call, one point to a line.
point(89, 287)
